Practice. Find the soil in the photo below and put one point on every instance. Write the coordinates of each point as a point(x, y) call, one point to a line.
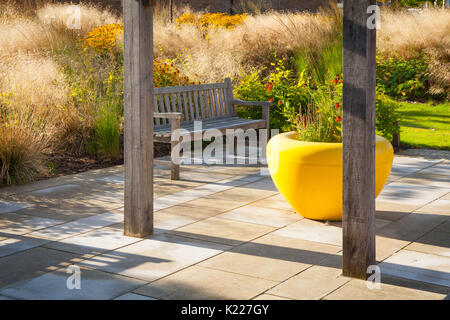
point(65, 164)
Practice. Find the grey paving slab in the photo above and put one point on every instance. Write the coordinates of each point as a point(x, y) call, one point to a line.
point(95, 285)
point(33, 262)
point(273, 203)
point(223, 231)
point(199, 283)
point(418, 266)
point(311, 284)
point(315, 231)
point(56, 189)
point(133, 296)
point(11, 223)
point(93, 242)
point(151, 259)
point(112, 179)
point(269, 297)
point(259, 215)
point(391, 288)
point(272, 257)
point(82, 225)
point(435, 242)
point(442, 168)
point(439, 206)
point(18, 243)
point(410, 194)
point(8, 206)
point(412, 226)
point(445, 227)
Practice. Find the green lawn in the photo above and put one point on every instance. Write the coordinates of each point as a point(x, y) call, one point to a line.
point(425, 126)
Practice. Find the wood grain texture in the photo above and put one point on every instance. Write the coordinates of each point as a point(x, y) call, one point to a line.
point(139, 106)
point(358, 140)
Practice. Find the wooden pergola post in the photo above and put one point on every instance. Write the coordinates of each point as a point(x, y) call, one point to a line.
point(138, 87)
point(358, 139)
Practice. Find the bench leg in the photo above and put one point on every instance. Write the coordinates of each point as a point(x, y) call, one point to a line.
point(174, 168)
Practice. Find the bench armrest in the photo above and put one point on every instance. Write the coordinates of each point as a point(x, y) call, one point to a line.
point(168, 115)
point(252, 103)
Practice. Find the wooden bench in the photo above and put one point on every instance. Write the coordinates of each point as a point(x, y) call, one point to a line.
point(213, 104)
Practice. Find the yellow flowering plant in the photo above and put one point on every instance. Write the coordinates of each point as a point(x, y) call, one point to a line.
point(212, 21)
point(104, 38)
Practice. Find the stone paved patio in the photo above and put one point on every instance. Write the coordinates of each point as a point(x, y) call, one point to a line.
point(220, 233)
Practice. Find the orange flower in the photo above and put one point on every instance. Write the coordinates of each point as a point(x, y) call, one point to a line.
point(270, 87)
point(270, 100)
point(338, 118)
point(279, 103)
point(337, 105)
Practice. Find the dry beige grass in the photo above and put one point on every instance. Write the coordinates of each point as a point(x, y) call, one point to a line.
point(251, 45)
point(405, 32)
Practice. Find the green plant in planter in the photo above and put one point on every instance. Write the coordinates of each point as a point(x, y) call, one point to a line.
point(322, 119)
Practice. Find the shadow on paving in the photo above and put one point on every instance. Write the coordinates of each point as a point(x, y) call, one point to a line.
point(121, 261)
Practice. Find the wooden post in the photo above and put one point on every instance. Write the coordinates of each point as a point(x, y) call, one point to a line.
point(358, 140)
point(138, 86)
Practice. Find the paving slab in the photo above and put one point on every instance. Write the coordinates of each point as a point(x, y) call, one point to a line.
point(199, 283)
point(82, 225)
point(386, 247)
point(95, 285)
point(410, 194)
point(223, 231)
point(151, 259)
point(401, 208)
point(18, 243)
point(11, 223)
point(418, 266)
point(311, 284)
point(56, 189)
point(93, 242)
point(269, 297)
point(445, 227)
point(33, 262)
point(412, 226)
point(433, 242)
point(390, 215)
point(133, 296)
point(271, 257)
point(391, 288)
point(315, 231)
point(259, 215)
point(273, 203)
point(439, 206)
point(8, 206)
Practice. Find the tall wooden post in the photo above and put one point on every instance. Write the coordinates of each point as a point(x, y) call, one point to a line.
point(138, 86)
point(358, 139)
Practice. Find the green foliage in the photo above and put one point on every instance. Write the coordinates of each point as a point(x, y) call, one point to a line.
point(107, 131)
point(403, 78)
point(387, 115)
point(315, 110)
point(321, 66)
point(281, 88)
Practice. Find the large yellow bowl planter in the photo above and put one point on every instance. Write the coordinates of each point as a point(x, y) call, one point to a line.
point(309, 174)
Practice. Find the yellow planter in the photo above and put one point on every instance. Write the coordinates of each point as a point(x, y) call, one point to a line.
point(309, 174)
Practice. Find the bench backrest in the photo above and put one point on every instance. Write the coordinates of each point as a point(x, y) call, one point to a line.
point(197, 102)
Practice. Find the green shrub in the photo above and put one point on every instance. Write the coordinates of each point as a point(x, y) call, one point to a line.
point(320, 66)
point(107, 132)
point(387, 115)
point(403, 78)
point(281, 88)
point(294, 100)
